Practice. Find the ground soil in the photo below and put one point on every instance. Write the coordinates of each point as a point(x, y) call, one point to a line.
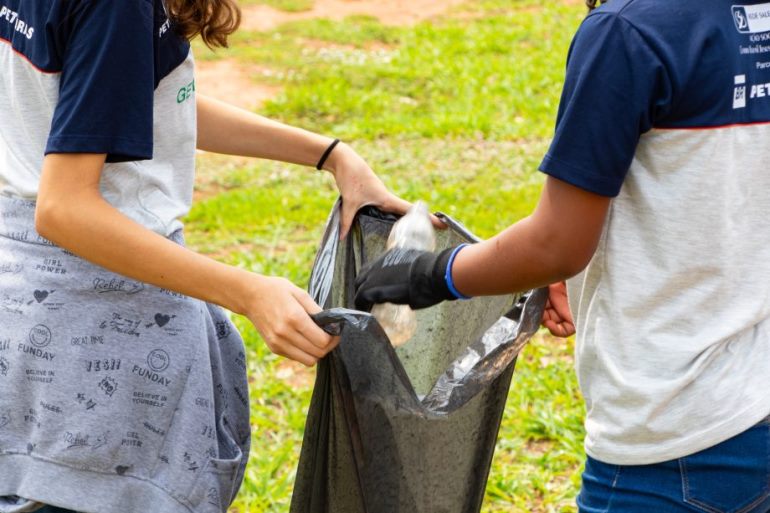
point(230, 81)
point(389, 12)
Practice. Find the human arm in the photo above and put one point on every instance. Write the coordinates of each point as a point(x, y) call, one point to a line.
point(72, 213)
point(223, 128)
point(554, 243)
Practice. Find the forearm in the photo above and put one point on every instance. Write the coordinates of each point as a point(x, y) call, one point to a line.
point(555, 243)
point(223, 128)
point(88, 226)
point(515, 260)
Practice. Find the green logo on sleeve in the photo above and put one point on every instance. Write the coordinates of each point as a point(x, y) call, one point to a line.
point(186, 92)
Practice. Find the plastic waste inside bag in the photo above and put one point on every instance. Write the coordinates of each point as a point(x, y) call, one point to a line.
point(413, 231)
point(409, 429)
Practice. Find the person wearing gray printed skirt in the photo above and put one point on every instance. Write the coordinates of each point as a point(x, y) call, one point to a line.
point(124, 387)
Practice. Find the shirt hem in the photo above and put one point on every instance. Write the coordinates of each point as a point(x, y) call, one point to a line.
point(117, 149)
point(649, 455)
point(81, 490)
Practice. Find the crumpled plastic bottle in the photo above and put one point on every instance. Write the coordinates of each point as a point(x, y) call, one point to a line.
point(413, 231)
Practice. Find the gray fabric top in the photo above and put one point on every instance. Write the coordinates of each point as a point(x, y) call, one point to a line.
point(125, 397)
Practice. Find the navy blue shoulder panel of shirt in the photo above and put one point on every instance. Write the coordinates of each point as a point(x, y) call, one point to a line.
point(110, 56)
point(635, 65)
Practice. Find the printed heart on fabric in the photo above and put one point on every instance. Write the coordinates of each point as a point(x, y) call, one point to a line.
point(41, 295)
point(162, 319)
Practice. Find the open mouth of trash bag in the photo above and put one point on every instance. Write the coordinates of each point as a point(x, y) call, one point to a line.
point(411, 429)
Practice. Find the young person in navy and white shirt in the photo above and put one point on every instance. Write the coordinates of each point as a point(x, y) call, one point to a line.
point(124, 388)
point(656, 205)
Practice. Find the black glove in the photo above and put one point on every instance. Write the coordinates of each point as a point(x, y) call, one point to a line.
point(405, 276)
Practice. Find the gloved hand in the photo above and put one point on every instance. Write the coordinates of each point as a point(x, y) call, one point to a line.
point(406, 276)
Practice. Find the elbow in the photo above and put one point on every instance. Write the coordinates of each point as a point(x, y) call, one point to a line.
point(49, 219)
point(568, 261)
point(569, 266)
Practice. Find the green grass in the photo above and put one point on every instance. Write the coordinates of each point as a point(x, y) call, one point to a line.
point(458, 113)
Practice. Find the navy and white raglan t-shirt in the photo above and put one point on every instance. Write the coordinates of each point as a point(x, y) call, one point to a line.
point(99, 76)
point(666, 108)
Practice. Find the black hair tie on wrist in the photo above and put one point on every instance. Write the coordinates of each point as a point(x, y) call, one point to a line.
point(326, 154)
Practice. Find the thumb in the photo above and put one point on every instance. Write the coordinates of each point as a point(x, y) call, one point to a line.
point(346, 219)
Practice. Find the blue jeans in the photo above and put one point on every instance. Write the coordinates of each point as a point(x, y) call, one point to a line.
point(732, 477)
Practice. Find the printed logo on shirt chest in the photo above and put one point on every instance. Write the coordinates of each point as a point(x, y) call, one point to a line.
point(12, 17)
point(164, 28)
point(750, 19)
point(744, 92)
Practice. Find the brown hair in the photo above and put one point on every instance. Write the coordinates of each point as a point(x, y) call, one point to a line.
point(592, 4)
point(214, 20)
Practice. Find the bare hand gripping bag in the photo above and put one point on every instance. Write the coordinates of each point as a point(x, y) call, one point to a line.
point(412, 429)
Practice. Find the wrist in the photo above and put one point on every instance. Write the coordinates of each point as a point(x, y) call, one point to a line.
point(334, 161)
point(239, 289)
point(448, 280)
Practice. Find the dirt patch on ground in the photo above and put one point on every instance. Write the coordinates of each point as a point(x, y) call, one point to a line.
point(389, 12)
point(295, 374)
point(232, 82)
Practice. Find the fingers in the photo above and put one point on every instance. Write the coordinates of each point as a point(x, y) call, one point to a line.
point(438, 223)
point(395, 205)
point(555, 324)
point(305, 301)
point(304, 344)
point(289, 330)
point(305, 326)
point(557, 316)
point(559, 330)
point(391, 203)
point(558, 301)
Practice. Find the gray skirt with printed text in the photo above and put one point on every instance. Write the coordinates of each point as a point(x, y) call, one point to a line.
point(118, 396)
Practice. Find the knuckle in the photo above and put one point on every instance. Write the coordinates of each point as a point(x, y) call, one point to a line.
point(295, 319)
point(282, 332)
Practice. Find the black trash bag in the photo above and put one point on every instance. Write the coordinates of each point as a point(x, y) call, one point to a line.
point(413, 429)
